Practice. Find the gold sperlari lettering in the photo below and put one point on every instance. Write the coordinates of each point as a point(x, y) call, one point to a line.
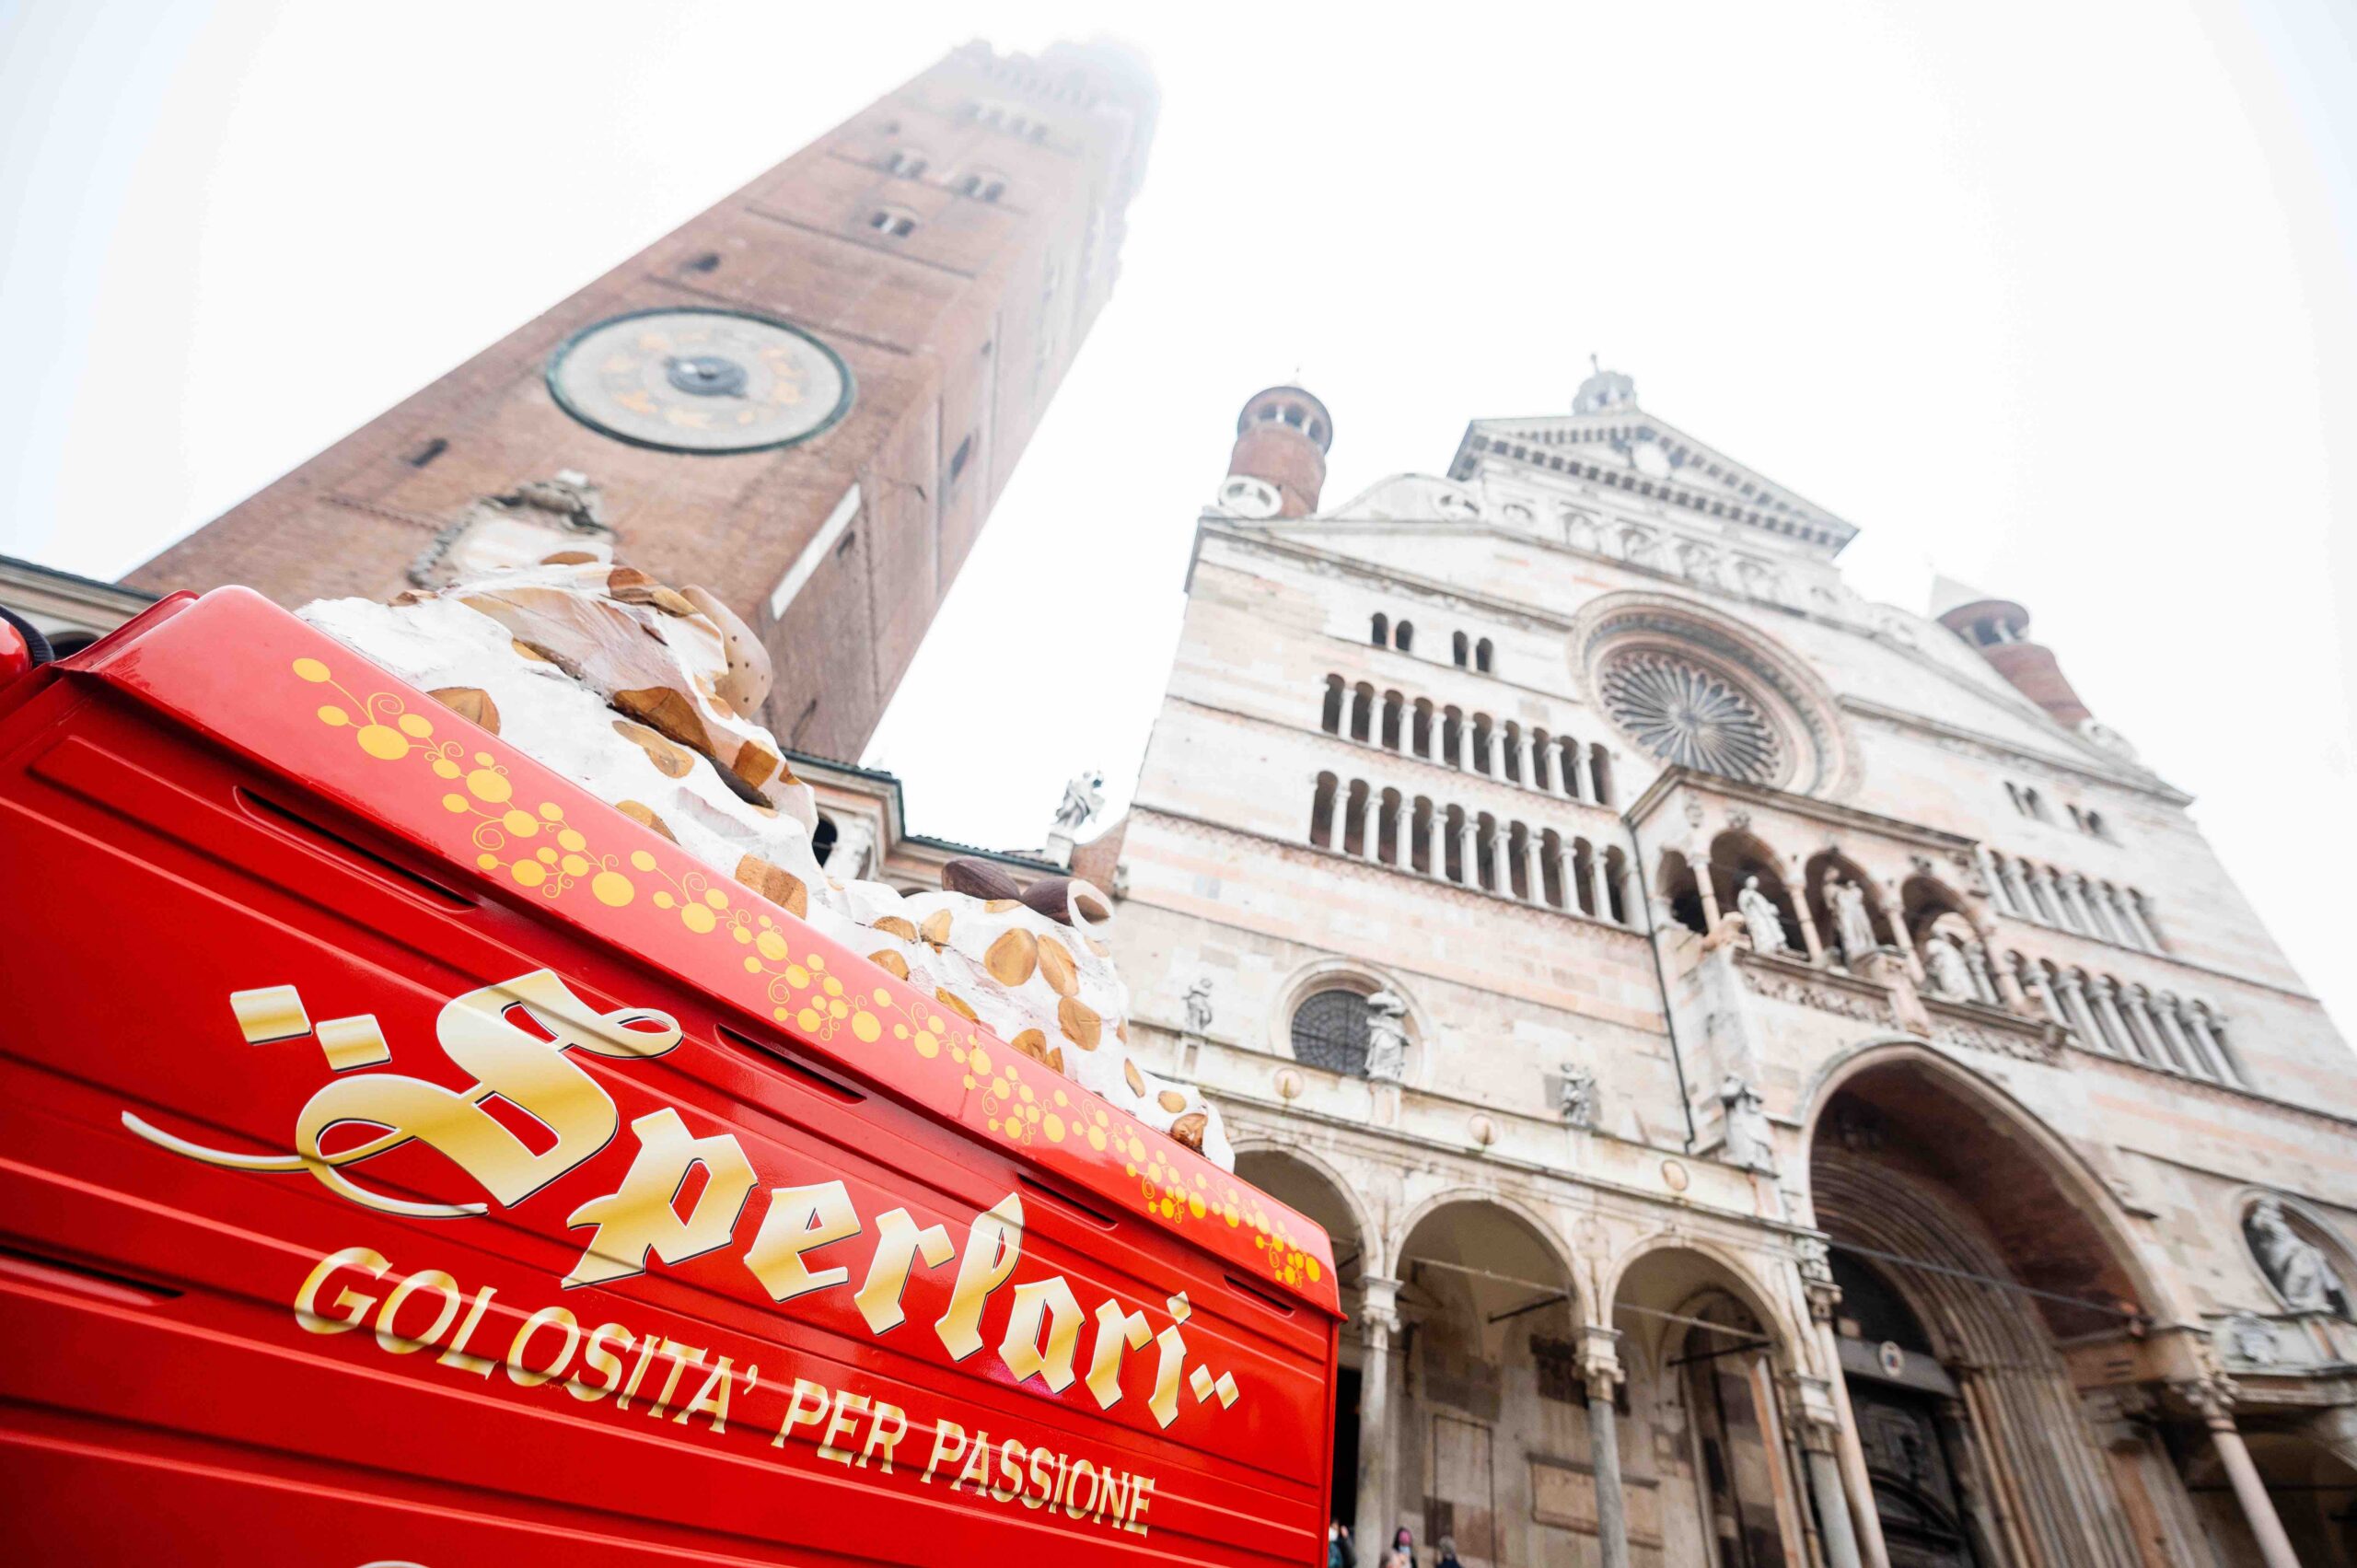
point(649, 1372)
point(638, 1219)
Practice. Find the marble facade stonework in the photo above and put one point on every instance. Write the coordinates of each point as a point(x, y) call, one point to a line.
point(1977, 1192)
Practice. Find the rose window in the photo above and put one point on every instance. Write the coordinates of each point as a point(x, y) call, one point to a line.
point(1691, 716)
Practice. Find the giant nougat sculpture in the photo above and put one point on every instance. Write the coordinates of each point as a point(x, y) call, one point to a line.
point(650, 698)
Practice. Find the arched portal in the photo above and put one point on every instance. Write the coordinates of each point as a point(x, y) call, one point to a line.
point(1975, 1252)
point(1702, 1351)
point(1488, 1403)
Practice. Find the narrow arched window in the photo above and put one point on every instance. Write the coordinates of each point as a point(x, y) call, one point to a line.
point(1393, 704)
point(1599, 772)
point(1380, 630)
point(1461, 648)
point(1329, 718)
point(1321, 813)
point(1361, 711)
point(1483, 656)
point(1403, 637)
point(1354, 819)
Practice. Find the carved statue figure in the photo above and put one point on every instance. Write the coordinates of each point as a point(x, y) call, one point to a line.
point(1759, 917)
point(1852, 922)
point(1577, 1098)
point(854, 848)
point(1951, 976)
point(2300, 1272)
point(1748, 1143)
point(1083, 799)
point(1387, 1038)
point(1199, 1006)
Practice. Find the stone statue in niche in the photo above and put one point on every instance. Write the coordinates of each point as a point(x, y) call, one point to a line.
point(1387, 1038)
point(1944, 962)
point(1852, 922)
point(1576, 1099)
point(1759, 917)
point(1199, 1006)
point(1748, 1141)
point(2297, 1267)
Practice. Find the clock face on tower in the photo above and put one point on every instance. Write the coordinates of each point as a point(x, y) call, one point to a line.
point(699, 381)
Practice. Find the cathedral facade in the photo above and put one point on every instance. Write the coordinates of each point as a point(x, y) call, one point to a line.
point(1786, 1084)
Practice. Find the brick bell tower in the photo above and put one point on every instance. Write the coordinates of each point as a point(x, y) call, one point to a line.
point(806, 399)
point(1278, 464)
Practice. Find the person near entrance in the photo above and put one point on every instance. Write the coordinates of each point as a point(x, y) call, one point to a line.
point(1337, 1546)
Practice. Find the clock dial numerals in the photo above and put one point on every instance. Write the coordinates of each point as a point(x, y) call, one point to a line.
point(700, 380)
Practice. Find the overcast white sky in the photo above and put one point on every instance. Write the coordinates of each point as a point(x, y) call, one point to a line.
point(2061, 296)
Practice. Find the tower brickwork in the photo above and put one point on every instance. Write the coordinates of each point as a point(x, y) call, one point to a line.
point(806, 399)
point(1277, 467)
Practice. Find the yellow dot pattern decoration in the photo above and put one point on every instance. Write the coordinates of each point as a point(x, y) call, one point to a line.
point(533, 846)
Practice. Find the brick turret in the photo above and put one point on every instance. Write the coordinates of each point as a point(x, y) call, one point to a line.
point(2000, 629)
point(1279, 462)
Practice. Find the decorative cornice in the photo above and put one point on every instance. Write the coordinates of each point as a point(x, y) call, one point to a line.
point(1773, 508)
point(1962, 1025)
point(1815, 807)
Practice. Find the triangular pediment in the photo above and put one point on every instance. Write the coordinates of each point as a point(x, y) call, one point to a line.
point(1625, 448)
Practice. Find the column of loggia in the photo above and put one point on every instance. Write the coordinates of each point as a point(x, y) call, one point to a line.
point(2074, 1008)
point(2168, 1009)
point(2045, 993)
point(1847, 1516)
point(2205, 1027)
point(1600, 1370)
point(2092, 894)
point(2043, 875)
point(2108, 1008)
point(1468, 830)
point(1378, 1320)
point(2216, 1405)
point(2143, 1034)
point(1990, 877)
point(2116, 905)
point(2083, 894)
point(2169, 1047)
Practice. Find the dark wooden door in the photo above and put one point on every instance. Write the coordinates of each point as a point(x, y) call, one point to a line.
point(1915, 1490)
